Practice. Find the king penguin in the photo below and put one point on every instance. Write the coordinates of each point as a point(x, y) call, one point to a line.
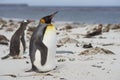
point(42, 47)
point(17, 42)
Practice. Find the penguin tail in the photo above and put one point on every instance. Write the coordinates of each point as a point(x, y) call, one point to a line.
point(5, 57)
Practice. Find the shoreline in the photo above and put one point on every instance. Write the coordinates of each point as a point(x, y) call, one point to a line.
point(63, 22)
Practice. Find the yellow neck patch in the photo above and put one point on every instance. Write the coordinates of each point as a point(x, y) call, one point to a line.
point(51, 27)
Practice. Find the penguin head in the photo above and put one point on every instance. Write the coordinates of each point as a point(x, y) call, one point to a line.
point(48, 19)
point(24, 23)
point(28, 21)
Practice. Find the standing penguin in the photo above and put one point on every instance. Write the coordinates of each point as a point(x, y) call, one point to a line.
point(42, 47)
point(17, 43)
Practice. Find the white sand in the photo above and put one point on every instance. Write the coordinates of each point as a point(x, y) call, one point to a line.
point(70, 66)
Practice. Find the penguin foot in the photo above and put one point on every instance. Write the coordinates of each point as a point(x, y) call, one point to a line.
point(35, 70)
point(17, 57)
point(31, 70)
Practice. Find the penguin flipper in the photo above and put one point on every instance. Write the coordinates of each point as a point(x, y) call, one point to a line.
point(43, 49)
point(23, 42)
point(5, 57)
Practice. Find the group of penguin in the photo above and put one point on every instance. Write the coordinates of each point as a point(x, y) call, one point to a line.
point(42, 48)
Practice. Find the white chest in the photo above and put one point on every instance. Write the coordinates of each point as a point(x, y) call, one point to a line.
point(50, 39)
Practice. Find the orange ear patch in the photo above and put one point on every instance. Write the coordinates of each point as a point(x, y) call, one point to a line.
point(42, 21)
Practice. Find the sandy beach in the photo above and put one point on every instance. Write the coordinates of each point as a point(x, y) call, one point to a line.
point(81, 54)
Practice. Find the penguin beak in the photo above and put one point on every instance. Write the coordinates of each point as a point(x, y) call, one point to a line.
point(52, 15)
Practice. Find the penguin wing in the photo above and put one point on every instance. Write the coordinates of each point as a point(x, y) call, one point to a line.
point(23, 42)
point(43, 49)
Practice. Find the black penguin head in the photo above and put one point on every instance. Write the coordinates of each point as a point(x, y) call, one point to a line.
point(48, 19)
